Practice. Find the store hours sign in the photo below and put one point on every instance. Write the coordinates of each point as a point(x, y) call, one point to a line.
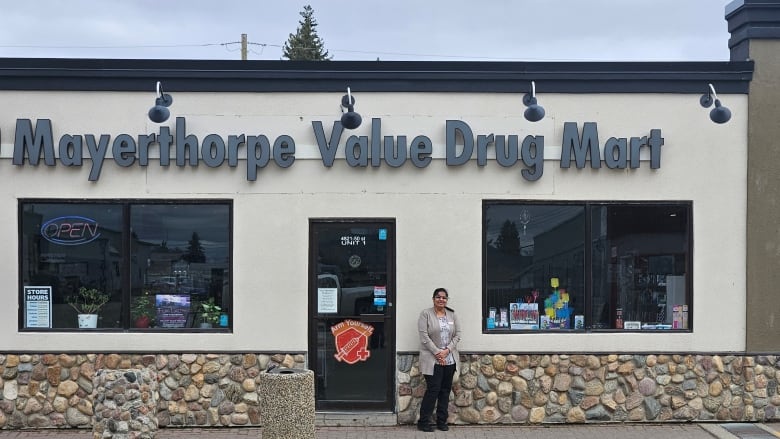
point(37, 306)
point(580, 146)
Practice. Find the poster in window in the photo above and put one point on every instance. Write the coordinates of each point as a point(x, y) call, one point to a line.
point(37, 307)
point(172, 310)
point(524, 316)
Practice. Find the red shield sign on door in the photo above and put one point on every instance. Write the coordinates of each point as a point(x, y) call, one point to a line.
point(351, 338)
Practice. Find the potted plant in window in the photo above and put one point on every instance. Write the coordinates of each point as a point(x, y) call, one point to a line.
point(142, 310)
point(209, 313)
point(87, 302)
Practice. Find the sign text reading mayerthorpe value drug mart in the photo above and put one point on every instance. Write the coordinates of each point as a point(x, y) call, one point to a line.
point(36, 142)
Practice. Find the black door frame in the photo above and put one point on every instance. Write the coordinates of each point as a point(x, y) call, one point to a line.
point(389, 318)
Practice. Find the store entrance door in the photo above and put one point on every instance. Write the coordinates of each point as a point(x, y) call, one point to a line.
point(352, 313)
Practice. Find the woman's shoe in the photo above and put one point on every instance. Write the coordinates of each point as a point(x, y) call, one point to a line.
point(442, 427)
point(428, 428)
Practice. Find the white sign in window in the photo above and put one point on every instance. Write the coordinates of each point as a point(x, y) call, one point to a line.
point(37, 307)
point(327, 300)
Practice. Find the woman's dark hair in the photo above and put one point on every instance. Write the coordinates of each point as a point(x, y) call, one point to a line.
point(442, 290)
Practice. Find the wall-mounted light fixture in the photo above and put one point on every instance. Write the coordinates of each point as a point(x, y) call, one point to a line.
point(534, 112)
point(350, 120)
point(719, 114)
point(160, 112)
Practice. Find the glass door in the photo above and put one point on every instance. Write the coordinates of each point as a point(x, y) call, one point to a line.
point(351, 303)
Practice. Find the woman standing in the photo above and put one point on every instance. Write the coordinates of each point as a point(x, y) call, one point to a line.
point(439, 337)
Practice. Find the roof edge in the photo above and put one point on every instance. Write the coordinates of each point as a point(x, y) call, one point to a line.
point(82, 74)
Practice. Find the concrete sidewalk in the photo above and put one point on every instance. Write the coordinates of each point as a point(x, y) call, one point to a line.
point(581, 431)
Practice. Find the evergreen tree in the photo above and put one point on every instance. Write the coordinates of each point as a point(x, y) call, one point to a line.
point(508, 240)
point(195, 251)
point(305, 44)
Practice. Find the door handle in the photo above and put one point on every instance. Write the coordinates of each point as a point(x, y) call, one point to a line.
point(372, 317)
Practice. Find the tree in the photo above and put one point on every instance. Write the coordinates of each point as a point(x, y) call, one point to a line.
point(508, 240)
point(305, 44)
point(195, 251)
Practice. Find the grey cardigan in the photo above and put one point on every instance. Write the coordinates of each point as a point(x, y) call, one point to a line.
point(430, 339)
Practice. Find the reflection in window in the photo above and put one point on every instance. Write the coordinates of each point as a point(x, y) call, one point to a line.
point(527, 246)
point(180, 257)
point(177, 260)
point(70, 246)
point(640, 259)
point(538, 257)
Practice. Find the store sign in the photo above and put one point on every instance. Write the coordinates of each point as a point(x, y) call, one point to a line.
point(462, 146)
point(70, 230)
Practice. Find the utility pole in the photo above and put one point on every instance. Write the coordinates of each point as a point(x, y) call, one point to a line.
point(243, 47)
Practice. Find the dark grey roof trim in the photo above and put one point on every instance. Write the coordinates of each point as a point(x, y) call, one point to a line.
point(372, 76)
point(753, 19)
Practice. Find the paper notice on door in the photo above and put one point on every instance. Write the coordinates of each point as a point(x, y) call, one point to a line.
point(327, 300)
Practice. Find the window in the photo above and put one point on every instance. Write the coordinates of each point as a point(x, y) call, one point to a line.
point(586, 266)
point(158, 265)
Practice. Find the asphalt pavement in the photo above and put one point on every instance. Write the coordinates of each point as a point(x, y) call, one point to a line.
point(568, 431)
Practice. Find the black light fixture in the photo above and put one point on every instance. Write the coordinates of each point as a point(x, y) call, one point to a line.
point(719, 114)
point(350, 120)
point(160, 112)
point(534, 112)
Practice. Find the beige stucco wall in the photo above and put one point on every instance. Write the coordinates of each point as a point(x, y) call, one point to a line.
point(437, 209)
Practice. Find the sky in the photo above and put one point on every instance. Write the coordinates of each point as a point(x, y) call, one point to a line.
point(412, 30)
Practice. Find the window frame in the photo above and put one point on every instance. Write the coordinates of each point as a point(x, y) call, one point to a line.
point(588, 206)
point(126, 265)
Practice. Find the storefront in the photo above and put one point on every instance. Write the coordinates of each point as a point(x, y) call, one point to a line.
point(595, 255)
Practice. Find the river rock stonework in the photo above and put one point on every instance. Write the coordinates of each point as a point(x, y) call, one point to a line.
point(56, 390)
point(198, 389)
point(577, 388)
point(125, 404)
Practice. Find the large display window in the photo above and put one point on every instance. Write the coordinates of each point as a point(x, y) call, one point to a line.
point(551, 266)
point(125, 265)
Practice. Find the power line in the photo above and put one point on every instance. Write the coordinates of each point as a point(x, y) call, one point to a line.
point(373, 52)
point(264, 45)
point(159, 46)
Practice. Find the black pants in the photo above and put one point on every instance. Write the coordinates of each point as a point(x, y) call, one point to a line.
point(438, 387)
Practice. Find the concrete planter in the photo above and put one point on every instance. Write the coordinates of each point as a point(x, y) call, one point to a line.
point(287, 403)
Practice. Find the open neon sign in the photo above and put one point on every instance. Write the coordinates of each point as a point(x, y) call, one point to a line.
point(70, 230)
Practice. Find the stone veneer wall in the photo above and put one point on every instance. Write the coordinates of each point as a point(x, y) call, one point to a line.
point(545, 388)
point(55, 390)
